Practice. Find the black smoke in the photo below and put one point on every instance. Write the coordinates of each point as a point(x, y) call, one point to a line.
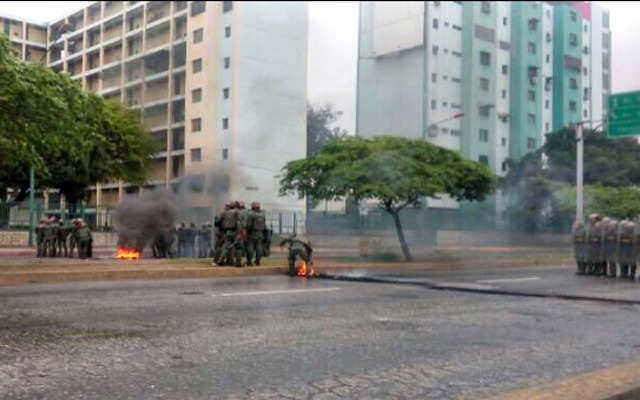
point(141, 220)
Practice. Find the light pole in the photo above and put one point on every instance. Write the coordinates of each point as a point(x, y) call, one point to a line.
point(64, 28)
point(580, 167)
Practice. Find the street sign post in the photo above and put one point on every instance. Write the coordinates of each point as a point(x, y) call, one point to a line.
point(623, 114)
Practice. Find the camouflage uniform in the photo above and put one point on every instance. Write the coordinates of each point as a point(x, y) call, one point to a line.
point(610, 246)
point(595, 245)
point(49, 241)
point(256, 228)
point(73, 236)
point(40, 237)
point(83, 235)
point(580, 246)
point(243, 216)
point(231, 227)
point(625, 252)
point(298, 247)
point(62, 234)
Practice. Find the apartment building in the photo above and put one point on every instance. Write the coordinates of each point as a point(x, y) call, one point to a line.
point(486, 78)
point(222, 85)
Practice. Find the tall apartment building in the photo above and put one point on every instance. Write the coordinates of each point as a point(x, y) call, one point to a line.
point(221, 84)
point(29, 38)
point(517, 70)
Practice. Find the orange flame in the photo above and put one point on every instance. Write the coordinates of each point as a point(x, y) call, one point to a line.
point(304, 271)
point(124, 253)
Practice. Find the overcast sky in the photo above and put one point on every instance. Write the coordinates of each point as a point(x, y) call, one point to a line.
point(333, 46)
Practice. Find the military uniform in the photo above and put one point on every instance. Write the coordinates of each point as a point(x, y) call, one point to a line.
point(595, 247)
point(241, 248)
point(610, 247)
point(580, 246)
point(73, 236)
point(190, 240)
point(625, 251)
point(83, 235)
point(49, 239)
point(62, 234)
point(204, 245)
point(230, 224)
point(256, 228)
point(298, 247)
point(41, 252)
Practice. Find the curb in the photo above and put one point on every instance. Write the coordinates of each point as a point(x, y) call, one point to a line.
point(620, 382)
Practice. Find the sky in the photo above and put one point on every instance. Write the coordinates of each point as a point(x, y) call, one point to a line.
point(333, 47)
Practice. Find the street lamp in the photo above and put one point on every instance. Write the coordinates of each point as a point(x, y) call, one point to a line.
point(580, 167)
point(64, 28)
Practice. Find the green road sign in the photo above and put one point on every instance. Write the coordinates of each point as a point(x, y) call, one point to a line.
point(623, 114)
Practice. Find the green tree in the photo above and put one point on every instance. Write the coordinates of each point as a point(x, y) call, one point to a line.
point(73, 138)
point(319, 131)
point(395, 171)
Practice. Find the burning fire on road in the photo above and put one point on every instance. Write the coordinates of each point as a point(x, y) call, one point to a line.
point(124, 253)
point(304, 271)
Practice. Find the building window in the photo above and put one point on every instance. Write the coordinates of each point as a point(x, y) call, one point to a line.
point(196, 65)
point(456, 27)
point(456, 80)
point(456, 106)
point(504, 21)
point(485, 7)
point(225, 93)
point(484, 159)
point(484, 84)
point(227, 62)
point(483, 111)
point(434, 104)
point(227, 6)
point(445, 104)
point(546, 104)
point(572, 106)
point(196, 95)
point(531, 144)
point(547, 126)
point(435, 23)
point(198, 34)
point(504, 142)
point(573, 15)
point(573, 83)
point(585, 114)
point(434, 78)
point(605, 20)
point(531, 95)
point(485, 58)
point(504, 166)
point(531, 47)
point(505, 69)
point(483, 135)
point(531, 119)
point(573, 39)
point(455, 132)
point(586, 28)
point(196, 125)
point(533, 24)
point(196, 155)
point(585, 71)
point(198, 7)
point(225, 123)
point(504, 93)
point(585, 94)
point(225, 154)
point(227, 31)
point(547, 58)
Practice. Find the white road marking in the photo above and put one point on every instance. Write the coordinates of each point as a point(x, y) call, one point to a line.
point(277, 292)
point(533, 278)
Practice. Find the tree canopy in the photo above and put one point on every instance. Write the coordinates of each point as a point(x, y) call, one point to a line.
point(319, 130)
point(73, 138)
point(396, 171)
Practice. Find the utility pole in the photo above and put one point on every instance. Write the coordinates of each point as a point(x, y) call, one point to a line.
point(579, 172)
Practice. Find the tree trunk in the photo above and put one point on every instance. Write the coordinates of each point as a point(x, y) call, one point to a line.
point(403, 243)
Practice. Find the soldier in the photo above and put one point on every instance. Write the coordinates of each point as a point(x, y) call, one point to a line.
point(298, 247)
point(62, 233)
point(256, 227)
point(191, 236)
point(73, 236)
point(182, 238)
point(204, 245)
point(243, 216)
point(230, 226)
point(625, 252)
point(40, 237)
point(580, 246)
point(595, 245)
point(83, 235)
point(219, 234)
point(610, 244)
point(49, 238)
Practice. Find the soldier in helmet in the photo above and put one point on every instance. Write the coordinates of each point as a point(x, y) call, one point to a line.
point(62, 234)
point(50, 238)
point(83, 235)
point(241, 249)
point(231, 228)
point(595, 245)
point(610, 247)
point(298, 247)
point(625, 251)
point(580, 246)
point(256, 226)
point(73, 236)
point(40, 237)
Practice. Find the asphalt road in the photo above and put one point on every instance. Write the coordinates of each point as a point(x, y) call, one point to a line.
point(290, 338)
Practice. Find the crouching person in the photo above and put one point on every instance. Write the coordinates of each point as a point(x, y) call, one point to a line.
point(298, 247)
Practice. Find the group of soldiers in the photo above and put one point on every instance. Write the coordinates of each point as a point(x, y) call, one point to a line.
point(55, 238)
point(241, 233)
point(606, 246)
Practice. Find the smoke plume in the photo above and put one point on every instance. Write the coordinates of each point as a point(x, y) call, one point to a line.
point(140, 220)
